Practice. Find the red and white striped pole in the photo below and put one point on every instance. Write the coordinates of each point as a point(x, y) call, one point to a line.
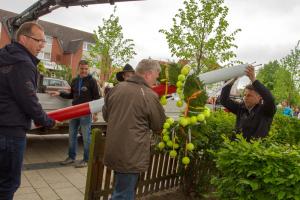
point(76, 111)
point(96, 105)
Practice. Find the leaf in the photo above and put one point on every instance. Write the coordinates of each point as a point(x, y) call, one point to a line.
point(281, 195)
point(254, 185)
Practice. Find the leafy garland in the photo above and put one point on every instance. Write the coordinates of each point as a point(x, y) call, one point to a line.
point(176, 136)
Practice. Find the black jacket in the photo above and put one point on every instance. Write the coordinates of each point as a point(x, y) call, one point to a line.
point(88, 90)
point(18, 82)
point(256, 122)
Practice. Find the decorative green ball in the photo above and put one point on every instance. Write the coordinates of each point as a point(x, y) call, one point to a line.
point(161, 145)
point(173, 153)
point(185, 160)
point(206, 112)
point(163, 100)
point(185, 70)
point(183, 121)
point(179, 103)
point(170, 143)
point(170, 120)
point(190, 147)
point(181, 77)
point(166, 138)
point(193, 120)
point(179, 84)
point(200, 117)
point(166, 125)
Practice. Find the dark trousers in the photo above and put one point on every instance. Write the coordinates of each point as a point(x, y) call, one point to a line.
point(125, 185)
point(11, 159)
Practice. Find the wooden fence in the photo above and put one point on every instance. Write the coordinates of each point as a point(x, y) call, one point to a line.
point(161, 175)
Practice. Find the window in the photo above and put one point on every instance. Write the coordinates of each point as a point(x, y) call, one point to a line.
point(86, 46)
point(54, 82)
point(45, 54)
point(46, 82)
point(48, 40)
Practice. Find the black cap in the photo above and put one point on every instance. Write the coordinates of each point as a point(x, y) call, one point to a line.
point(127, 68)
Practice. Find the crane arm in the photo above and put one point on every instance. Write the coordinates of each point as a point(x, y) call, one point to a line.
point(43, 7)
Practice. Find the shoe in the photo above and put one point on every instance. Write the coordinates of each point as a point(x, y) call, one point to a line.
point(81, 164)
point(67, 161)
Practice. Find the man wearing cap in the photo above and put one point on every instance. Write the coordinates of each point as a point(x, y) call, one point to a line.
point(123, 75)
point(127, 72)
point(255, 114)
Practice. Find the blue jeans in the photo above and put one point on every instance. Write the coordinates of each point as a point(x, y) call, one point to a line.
point(125, 185)
point(85, 126)
point(11, 159)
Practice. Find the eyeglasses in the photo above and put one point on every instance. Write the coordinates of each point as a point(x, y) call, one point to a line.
point(37, 40)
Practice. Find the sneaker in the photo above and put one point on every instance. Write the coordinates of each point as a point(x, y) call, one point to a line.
point(67, 161)
point(81, 164)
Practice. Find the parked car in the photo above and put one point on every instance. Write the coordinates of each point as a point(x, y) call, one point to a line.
point(54, 84)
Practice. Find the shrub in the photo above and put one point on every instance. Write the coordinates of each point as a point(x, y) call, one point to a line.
point(285, 129)
point(260, 170)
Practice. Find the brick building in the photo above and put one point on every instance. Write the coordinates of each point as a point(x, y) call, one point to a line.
point(64, 45)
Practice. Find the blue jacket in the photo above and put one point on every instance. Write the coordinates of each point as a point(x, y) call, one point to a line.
point(287, 111)
point(18, 82)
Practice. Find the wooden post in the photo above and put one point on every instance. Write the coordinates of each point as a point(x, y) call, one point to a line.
point(95, 165)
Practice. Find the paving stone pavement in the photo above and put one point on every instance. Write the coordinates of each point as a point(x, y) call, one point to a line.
point(43, 178)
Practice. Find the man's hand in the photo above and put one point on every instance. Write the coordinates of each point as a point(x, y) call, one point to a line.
point(95, 117)
point(250, 73)
point(53, 93)
point(57, 124)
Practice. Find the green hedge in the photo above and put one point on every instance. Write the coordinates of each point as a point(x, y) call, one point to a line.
point(285, 129)
point(259, 170)
point(263, 169)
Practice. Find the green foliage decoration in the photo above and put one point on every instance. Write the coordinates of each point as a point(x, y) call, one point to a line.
point(169, 72)
point(191, 86)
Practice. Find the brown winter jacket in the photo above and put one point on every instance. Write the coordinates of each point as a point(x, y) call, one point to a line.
point(131, 110)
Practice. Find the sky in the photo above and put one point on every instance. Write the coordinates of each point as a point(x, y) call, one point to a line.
point(270, 28)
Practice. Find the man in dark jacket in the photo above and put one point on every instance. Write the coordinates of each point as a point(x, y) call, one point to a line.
point(84, 88)
point(255, 114)
point(132, 110)
point(18, 103)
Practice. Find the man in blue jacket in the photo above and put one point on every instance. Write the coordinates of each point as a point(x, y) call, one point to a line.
point(18, 103)
point(255, 114)
point(84, 88)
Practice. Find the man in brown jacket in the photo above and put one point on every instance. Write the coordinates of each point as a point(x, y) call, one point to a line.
point(132, 110)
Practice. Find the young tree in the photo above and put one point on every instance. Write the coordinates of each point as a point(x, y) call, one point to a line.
point(280, 82)
point(63, 72)
point(284, 87)
point(110, 49)
point(292, 63)
point(267, 74)
point(199, 34)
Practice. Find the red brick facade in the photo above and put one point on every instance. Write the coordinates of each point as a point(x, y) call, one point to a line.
point(57, 53)
point(4, 37)
point(67, 43)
